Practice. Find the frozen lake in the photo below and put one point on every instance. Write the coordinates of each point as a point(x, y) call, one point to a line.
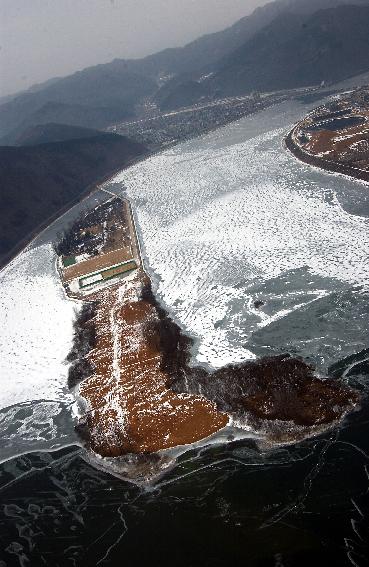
point(226, 220)
point(232, 218)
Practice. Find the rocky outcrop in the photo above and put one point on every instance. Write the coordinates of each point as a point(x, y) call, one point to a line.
point(128, 405)
point(279, 388)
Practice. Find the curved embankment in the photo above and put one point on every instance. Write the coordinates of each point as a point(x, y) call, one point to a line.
point(316, 161)
point(131, 365)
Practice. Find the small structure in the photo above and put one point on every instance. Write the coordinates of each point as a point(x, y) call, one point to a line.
point(69, 261)
point(107, 274)
point(100, 247)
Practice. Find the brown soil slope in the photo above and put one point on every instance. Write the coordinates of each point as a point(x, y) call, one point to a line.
point(130, 407)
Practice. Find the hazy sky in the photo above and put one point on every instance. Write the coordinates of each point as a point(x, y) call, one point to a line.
point(40, 39)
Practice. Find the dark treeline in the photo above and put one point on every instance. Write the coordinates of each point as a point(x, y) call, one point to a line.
point(168, 337)
point(77, 238)
point(84, 341)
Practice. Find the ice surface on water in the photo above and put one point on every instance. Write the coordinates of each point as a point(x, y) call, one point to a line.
point(218, 217)
point(37, 330)
point(225, 219)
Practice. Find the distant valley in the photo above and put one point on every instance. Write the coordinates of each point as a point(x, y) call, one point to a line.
point(285, 44)
point(61, 138)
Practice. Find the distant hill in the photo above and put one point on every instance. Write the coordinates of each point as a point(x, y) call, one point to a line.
point(295, 51)
point(94, 97)
point(72, 114)
point(106, 94)
point(203, 55)
point(177, 94)
point(38, 181)
point(212, 53)
point(49, 133)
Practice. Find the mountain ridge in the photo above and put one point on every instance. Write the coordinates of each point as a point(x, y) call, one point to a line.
point(295, 51)
point(105, 94)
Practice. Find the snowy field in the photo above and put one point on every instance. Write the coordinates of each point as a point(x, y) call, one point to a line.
point(226, 218)
point(38, 325)
point(37, 332)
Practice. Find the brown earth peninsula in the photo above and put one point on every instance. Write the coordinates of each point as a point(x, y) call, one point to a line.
point(131, 363)
point(335, 136)
point(129, 407)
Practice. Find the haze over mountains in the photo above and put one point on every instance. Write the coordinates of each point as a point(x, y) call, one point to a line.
point(287, 43)
point(296, 51)
point(60, 152)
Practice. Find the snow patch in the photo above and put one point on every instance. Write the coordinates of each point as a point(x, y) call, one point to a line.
point(36, 330)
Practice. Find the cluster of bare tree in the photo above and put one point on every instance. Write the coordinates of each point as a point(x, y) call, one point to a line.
point(84, 341)
point(78, 237)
